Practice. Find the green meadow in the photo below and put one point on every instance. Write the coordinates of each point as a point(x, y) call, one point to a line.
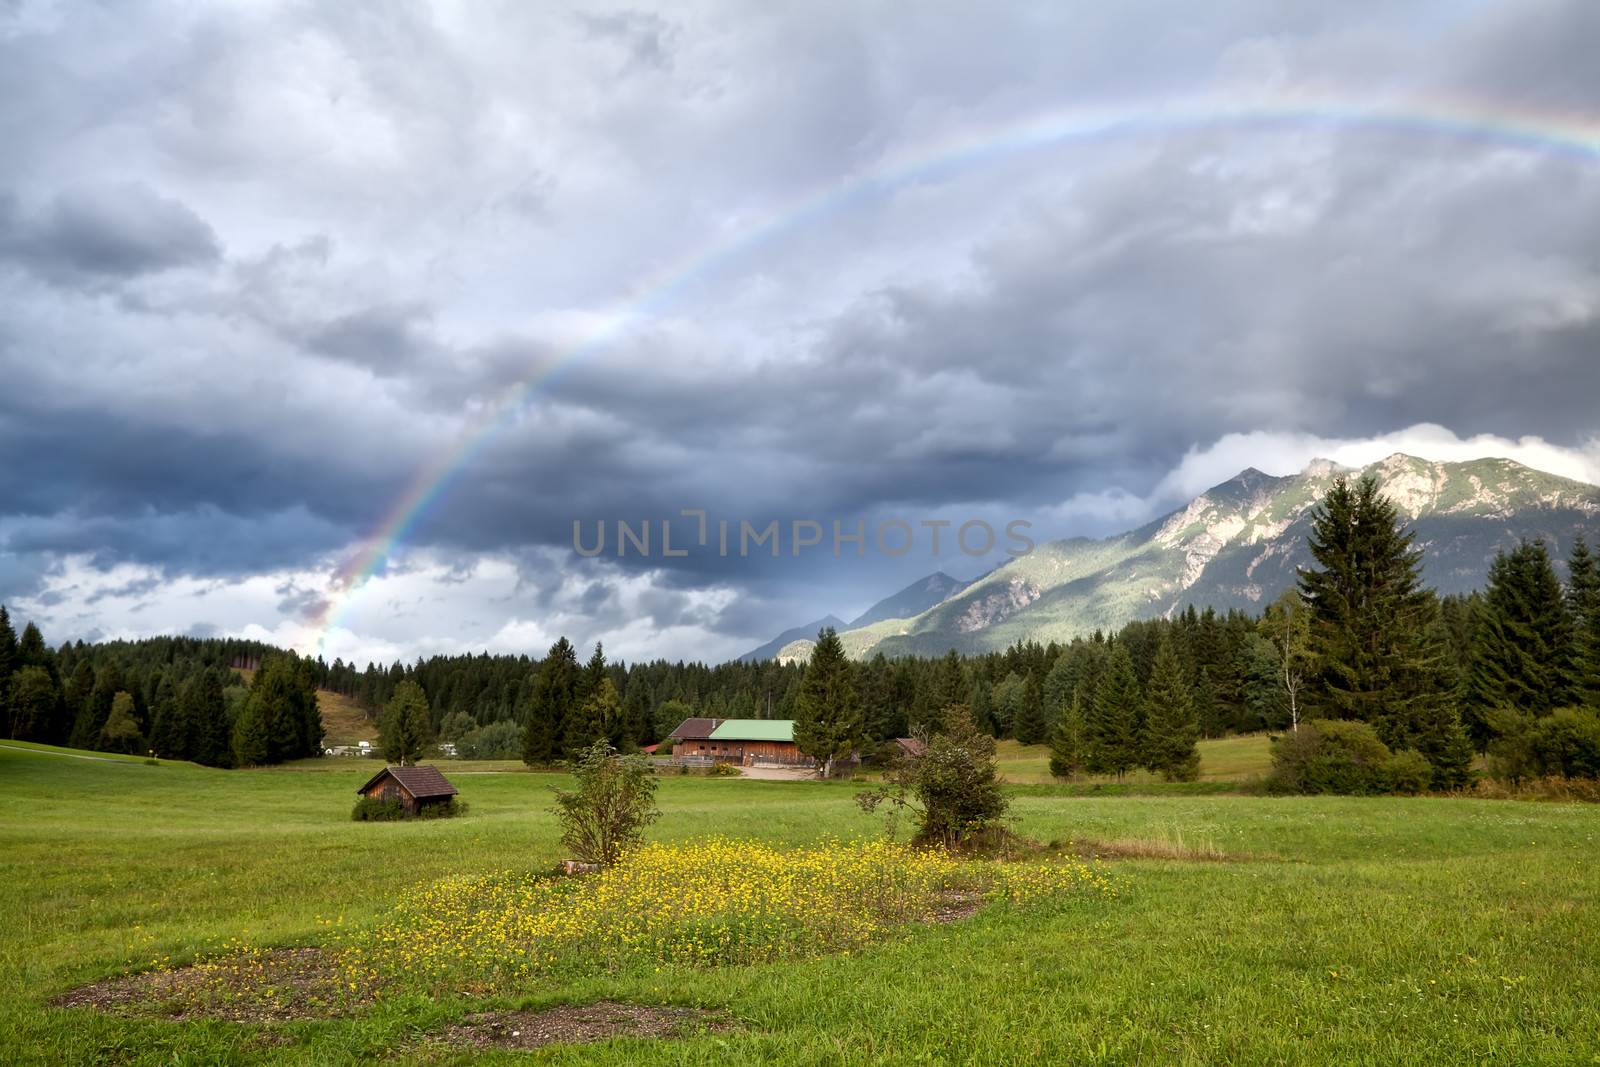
point(1246, 929)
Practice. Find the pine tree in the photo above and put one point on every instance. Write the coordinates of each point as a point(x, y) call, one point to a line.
point(1170, 730)
point(1066, 741)
point(1522, 654)
point(205, 719)
point(251, 747)
point(405, 729)
point(1031, 726)
point(285, 698)
point(8, 653)
point(636, 727)
point(31, 649)
point(551, 700)
point(1114, 727)
point(949, 688)
point(97, 709)
point(983, 708)
point(827, 725)
point(1369, 617)
point(581, 729)
point(35, 706)
point(168, 734)
point(1583, 605)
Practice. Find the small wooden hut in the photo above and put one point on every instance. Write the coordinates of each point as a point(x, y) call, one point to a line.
point(414, 787)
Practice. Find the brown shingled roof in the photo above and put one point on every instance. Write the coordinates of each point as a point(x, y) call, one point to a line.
point(694, 728)
point(420, 782)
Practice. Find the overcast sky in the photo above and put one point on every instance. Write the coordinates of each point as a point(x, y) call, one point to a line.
point(266, 267)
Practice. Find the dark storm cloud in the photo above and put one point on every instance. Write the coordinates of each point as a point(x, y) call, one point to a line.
point(327, 283)
point(101, 232)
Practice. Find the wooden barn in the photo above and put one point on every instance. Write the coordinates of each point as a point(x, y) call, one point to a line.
point(741, 741)
point(414, 787)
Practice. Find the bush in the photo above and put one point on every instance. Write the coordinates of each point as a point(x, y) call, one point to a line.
point(1566, 743)
point(498, 740)
point(378, 809)
point(724, 770)
point(1332, 756)
point(956, 789)
point(384, 809)
point(1410, 773)
point(448, 810)
point(614, 800)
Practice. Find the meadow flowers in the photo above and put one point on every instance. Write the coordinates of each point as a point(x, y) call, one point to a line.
point(704, 903)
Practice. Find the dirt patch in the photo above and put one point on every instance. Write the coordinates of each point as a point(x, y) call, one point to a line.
point(576, 1024)
point(957, 904)
point(272, 985)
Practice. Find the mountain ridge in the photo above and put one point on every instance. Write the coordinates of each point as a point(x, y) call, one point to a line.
point(1236, 545)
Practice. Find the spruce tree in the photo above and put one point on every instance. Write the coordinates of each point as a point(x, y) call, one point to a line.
point(32, 651)
point(35, 706)
point(168, 736)
point(405, 728)
point(92, 716)
point(8, 652)
point(205, 719)
point(551, 700)
point(582, 728)
point(1114, 727)
point(1170, 730)
point(1370, 615)
point(1583, 605)
point(827, 725)
point(949, 688)
point(1066, 741)
point(251, 747)
point(635, 727)
point(1031, 726)
point(1522, 654)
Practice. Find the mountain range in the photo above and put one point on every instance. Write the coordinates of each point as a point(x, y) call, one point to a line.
point(1237, 545)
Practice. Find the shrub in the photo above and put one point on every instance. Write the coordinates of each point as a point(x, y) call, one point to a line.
point(1563, 744)
point(1409, 772)
point(385, 809)
point(498, 740)
point(378, 809)
point(1510, 755)
point(447, 810)
point(1566, 743)
point(724, 770)
point(956, 787)
point(1331, 756)
point(614, 800)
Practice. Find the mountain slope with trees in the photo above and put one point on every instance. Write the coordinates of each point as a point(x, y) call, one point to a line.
point(1238, 546)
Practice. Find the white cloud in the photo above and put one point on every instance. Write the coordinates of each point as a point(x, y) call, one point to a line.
point(424, 604)
point(1289, 453)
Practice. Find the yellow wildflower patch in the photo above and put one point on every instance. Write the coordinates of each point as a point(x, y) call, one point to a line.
point(706, 903)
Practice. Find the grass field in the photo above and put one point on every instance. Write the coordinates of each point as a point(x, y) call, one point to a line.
point(1227, 759)
point(1380, 930)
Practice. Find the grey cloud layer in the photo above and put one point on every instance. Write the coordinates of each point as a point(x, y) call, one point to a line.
point(258, 269)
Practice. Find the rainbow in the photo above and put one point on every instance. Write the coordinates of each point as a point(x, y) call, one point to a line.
point(1573, 135)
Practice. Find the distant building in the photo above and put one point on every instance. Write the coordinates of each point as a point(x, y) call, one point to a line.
point(414, 787)
point(742, 741)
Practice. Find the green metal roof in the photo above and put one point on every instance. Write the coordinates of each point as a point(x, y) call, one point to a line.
point(754, 730)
